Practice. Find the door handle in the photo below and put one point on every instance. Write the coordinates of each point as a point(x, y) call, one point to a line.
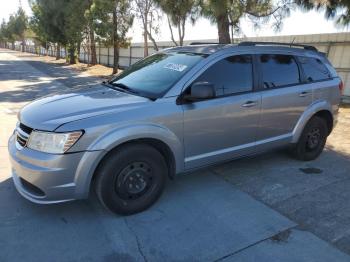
point(303, 94)
point(250, 104)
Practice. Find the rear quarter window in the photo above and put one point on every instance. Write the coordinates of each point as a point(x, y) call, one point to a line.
point(314, 69)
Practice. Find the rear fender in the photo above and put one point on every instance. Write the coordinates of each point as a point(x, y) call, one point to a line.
point(307, 115)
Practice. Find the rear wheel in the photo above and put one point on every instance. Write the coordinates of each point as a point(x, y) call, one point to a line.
point(131, 179)
point(312, 140)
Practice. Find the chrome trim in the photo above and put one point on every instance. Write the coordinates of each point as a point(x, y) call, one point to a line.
point(22, 133)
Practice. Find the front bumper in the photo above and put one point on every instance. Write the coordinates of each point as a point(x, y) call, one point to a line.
point(51, 178)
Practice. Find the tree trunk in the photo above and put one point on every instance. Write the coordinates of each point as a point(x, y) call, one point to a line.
point(182, 31)
point(72, 54)
point(145, 36)
point(115, 43)
point(145, 44)
point(58, 51)
point(23, 45)
point(78, 50)
point(171, 32)
point(179, 32)
point(153, 41)
point(93, 47)
point(51, 50)
point(223, 28)
point(116, 57)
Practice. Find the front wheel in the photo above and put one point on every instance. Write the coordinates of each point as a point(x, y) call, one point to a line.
point(131, 179)
point(312, 140)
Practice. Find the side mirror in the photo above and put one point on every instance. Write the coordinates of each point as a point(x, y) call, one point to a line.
point(200, 91)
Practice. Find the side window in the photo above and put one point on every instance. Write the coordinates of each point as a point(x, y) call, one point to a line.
point(231, 75)
point(279, 70)
point(314, 69)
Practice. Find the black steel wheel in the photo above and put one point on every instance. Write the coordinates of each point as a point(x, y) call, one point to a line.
point(131, 178)
point(134, 180)
point(312, 140)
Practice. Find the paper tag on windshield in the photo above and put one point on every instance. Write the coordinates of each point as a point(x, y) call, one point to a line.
point(175, 67)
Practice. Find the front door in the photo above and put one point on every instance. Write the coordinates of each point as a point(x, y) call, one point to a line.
point(223, 127)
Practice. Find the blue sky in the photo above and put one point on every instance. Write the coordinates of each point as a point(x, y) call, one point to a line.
point(298, 23)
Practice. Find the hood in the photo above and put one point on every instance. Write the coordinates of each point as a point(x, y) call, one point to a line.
point(50, 112)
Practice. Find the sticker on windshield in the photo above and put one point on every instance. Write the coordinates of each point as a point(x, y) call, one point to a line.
point(175, 67)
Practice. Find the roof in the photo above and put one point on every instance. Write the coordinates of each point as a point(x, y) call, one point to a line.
point(208, 48)
point(200, 49)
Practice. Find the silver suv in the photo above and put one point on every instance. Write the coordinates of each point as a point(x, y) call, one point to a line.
point(178, 110)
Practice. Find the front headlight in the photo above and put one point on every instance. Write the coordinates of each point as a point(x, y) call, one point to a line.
point(55, 143)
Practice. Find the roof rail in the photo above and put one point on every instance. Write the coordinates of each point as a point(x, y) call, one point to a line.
point(306, 47)
point(203, 43)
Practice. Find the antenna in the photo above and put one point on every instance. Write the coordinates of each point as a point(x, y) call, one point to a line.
point(292, 42)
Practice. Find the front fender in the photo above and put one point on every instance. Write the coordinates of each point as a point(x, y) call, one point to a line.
point(315, 107)
point(113, 138)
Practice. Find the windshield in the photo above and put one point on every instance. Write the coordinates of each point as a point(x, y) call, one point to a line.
point(156, 74)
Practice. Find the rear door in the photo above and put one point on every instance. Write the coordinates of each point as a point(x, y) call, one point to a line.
point(223, 127)
point(285, 96)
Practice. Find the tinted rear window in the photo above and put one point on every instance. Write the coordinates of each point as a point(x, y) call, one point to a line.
point(314, 69)
point(279, 70)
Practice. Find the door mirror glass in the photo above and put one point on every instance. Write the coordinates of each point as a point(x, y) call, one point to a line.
point(200, 91)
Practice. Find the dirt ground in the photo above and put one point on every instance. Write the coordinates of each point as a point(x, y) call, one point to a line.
point(96, 70)
point(340, 138)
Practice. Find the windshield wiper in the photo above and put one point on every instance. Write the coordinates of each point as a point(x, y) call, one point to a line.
point(119, 87)
point(124, 87)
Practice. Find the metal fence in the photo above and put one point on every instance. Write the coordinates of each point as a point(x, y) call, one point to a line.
point(104, 55)
point(336, 46)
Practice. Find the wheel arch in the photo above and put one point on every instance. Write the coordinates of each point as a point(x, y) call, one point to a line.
point(328, 117)
point(159, 138)
point(161, 146)
point(321, 109)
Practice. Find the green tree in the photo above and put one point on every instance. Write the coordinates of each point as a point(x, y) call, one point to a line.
point(4, 33)
point(60, 22)
point(90, 16)
point(339, 10)
point(15, 29)
point(75, 22)
point(47, 24)
point(178, 13)
point(228, 13)
point(147, 12)
point(20, 26)
point(114, 19)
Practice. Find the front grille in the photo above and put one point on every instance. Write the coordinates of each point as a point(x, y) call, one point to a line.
point(21, 141)
point(22, 134)
point(25, 128)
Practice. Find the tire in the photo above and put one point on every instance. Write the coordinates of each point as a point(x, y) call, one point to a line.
point(131, 179)
point(312, 140)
